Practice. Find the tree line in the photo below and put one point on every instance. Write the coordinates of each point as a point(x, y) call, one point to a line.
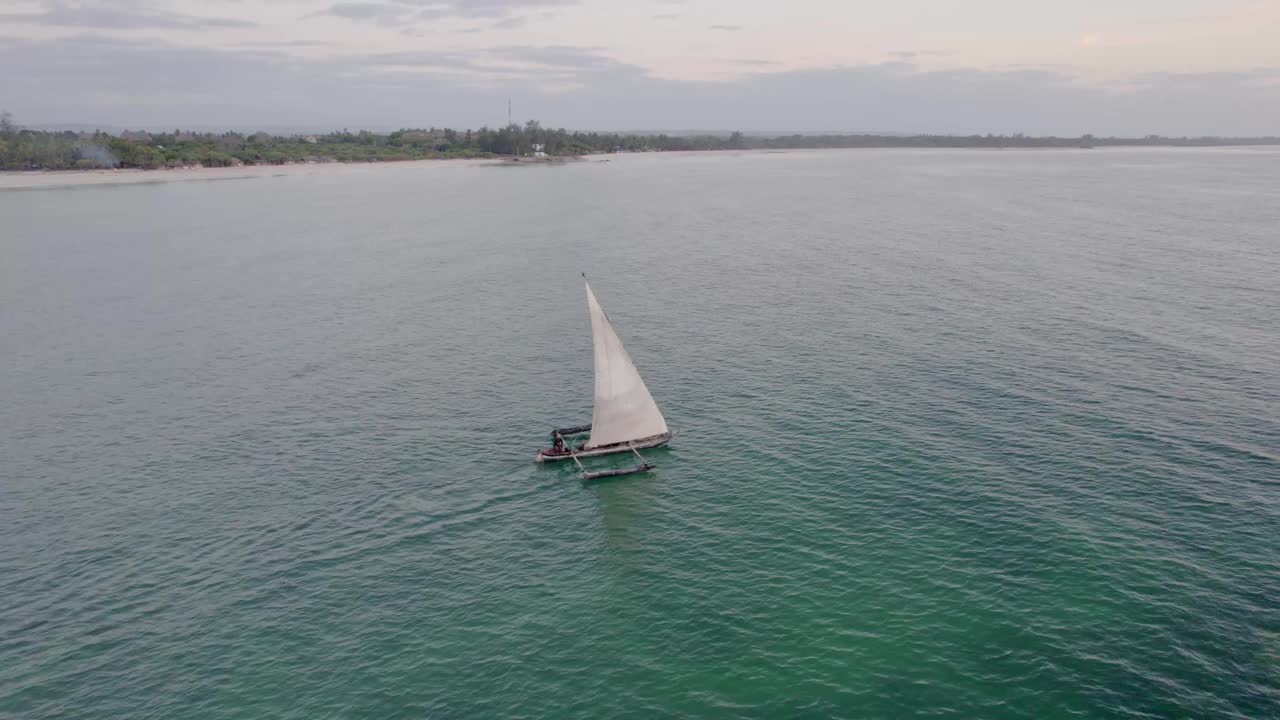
point(26, 149)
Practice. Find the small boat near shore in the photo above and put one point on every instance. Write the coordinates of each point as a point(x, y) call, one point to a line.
point(624, 418)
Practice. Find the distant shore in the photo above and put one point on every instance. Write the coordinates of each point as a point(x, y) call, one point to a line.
point(24, 149)
point(54, 179)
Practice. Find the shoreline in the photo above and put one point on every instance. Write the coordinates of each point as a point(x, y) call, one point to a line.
point(58, 179)
point(70, 179)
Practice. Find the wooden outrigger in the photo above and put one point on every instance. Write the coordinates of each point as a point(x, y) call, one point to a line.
point(576, 454)
point(644, 466)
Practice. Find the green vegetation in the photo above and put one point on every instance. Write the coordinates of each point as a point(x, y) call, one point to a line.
point(23, 149)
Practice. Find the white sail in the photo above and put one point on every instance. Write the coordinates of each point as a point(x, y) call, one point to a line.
point(624, 409)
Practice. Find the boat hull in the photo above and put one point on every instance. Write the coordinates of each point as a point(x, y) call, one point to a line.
point(643, 443)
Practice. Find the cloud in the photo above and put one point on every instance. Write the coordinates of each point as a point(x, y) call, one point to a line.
point(546, 67)
point(285, 44)
point(411, 11)
point(422, 60)
point(564, 57)
point(1190, 19)
point(98, 79)
point(1257, 79)
point(727, 28)
point(63, 14)
point(510, 23)
point(486, 8)
point(1035, 66)
point(375, 11)
point(907, 55)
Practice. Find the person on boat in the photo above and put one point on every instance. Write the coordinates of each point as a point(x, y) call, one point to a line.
point(558, 448)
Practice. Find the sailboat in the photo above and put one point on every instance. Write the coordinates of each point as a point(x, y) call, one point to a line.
point(624, 419)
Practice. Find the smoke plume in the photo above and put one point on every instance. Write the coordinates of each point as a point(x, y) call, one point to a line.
point(99, 155)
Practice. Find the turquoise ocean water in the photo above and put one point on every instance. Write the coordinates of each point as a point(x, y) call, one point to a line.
point(964, 434)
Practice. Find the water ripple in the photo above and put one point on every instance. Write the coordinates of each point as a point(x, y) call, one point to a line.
point(963, 435)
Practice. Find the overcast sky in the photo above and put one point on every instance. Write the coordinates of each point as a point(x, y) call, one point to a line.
point(1129, 67)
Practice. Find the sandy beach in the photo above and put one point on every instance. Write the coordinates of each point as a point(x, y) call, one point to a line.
point(37, 180)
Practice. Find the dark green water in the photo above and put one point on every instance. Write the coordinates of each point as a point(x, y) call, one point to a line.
point(965, 434)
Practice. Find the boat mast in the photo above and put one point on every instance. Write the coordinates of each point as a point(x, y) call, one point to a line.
point(509, 128)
